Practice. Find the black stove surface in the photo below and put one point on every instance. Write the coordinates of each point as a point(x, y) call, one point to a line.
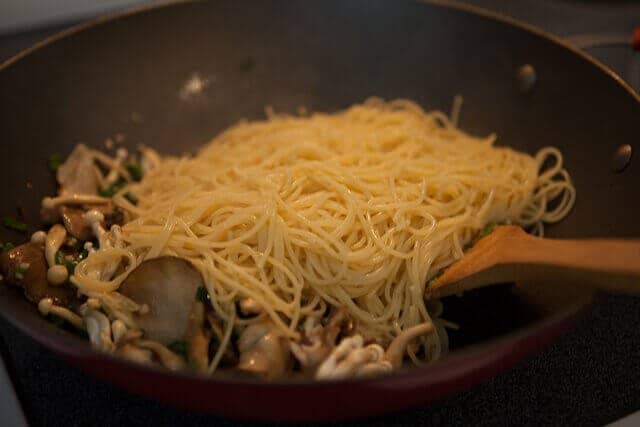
point(589, 377)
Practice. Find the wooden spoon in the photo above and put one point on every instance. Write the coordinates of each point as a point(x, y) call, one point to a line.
point(509, 254)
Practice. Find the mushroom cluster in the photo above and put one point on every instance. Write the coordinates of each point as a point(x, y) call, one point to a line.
point(162, 313)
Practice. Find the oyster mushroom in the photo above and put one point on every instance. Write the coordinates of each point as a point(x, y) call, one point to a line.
point(77, 175)
point(319, 341)
point(249, 307)
point(25, 266)
point(263, 351)
point(129, 335)
point(99, 330)
point(168, 286)
point(396, 350)
point(166, 357)
point(351, 358)
point(118, 330)
point(197, 338)
point(135, 354)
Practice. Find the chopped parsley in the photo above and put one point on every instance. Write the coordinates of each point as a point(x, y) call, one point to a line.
point(178, 347)
point(59, 258)
point(22, 268)
point(6, 247)
point(202, 294)
point(68, 262)
point(54, 162)
point(20, 271)
point(135, 171)
point(487, 230)
point(14, 224)
point(111, 190)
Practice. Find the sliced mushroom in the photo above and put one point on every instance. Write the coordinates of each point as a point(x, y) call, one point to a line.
point(25, 266)
point(118, 331)
point(249, 307)
point(263, 350)
point(166, 357)
point(351, 358)
point(77, 175)
point(319, 341)
point(197, 338)
point(396, 350)
point(135, 354)
point(99, 330)
point(130, 335)
point(73, 218)
point(168, 286)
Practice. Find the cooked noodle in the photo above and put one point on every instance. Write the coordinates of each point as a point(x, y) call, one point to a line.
point(357, 209)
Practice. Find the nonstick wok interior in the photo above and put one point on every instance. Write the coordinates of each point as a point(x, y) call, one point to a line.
point(172, 77)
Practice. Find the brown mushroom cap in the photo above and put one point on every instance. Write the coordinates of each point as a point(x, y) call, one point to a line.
point(73, 218)
point(168, 285)
point(34, 279)
point(264, 351)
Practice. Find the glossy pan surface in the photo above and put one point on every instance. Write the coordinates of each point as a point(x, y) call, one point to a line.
point(171, 77)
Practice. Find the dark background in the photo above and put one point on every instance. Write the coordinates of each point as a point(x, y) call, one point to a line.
point(589, 377)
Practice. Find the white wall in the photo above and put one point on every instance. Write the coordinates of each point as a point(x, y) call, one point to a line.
point(21, 15)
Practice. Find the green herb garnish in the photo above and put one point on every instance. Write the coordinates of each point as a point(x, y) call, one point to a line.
point(487, 230)
point(111, 190)
point(20, 269)
point(62, 259)
point(202, 294)
point(135, 171)
point(84, 254)
point(14, 224)
point(6, 247)
point(54, 162)
point(59, 258)
point(178, 347)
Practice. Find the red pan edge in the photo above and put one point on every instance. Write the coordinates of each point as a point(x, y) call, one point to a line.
point(336, 399)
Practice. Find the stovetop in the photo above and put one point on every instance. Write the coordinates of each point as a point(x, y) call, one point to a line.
point(589, 377)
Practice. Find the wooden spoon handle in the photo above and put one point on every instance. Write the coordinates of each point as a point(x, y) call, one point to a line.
point(511, 255)
point(610, 265)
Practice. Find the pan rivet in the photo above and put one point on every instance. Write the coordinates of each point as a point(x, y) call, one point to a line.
point(526, 78)
point(621, 158)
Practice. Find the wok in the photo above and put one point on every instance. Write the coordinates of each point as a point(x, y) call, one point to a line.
point(172, 76)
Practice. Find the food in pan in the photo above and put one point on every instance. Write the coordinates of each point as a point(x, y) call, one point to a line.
point(296, 246)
